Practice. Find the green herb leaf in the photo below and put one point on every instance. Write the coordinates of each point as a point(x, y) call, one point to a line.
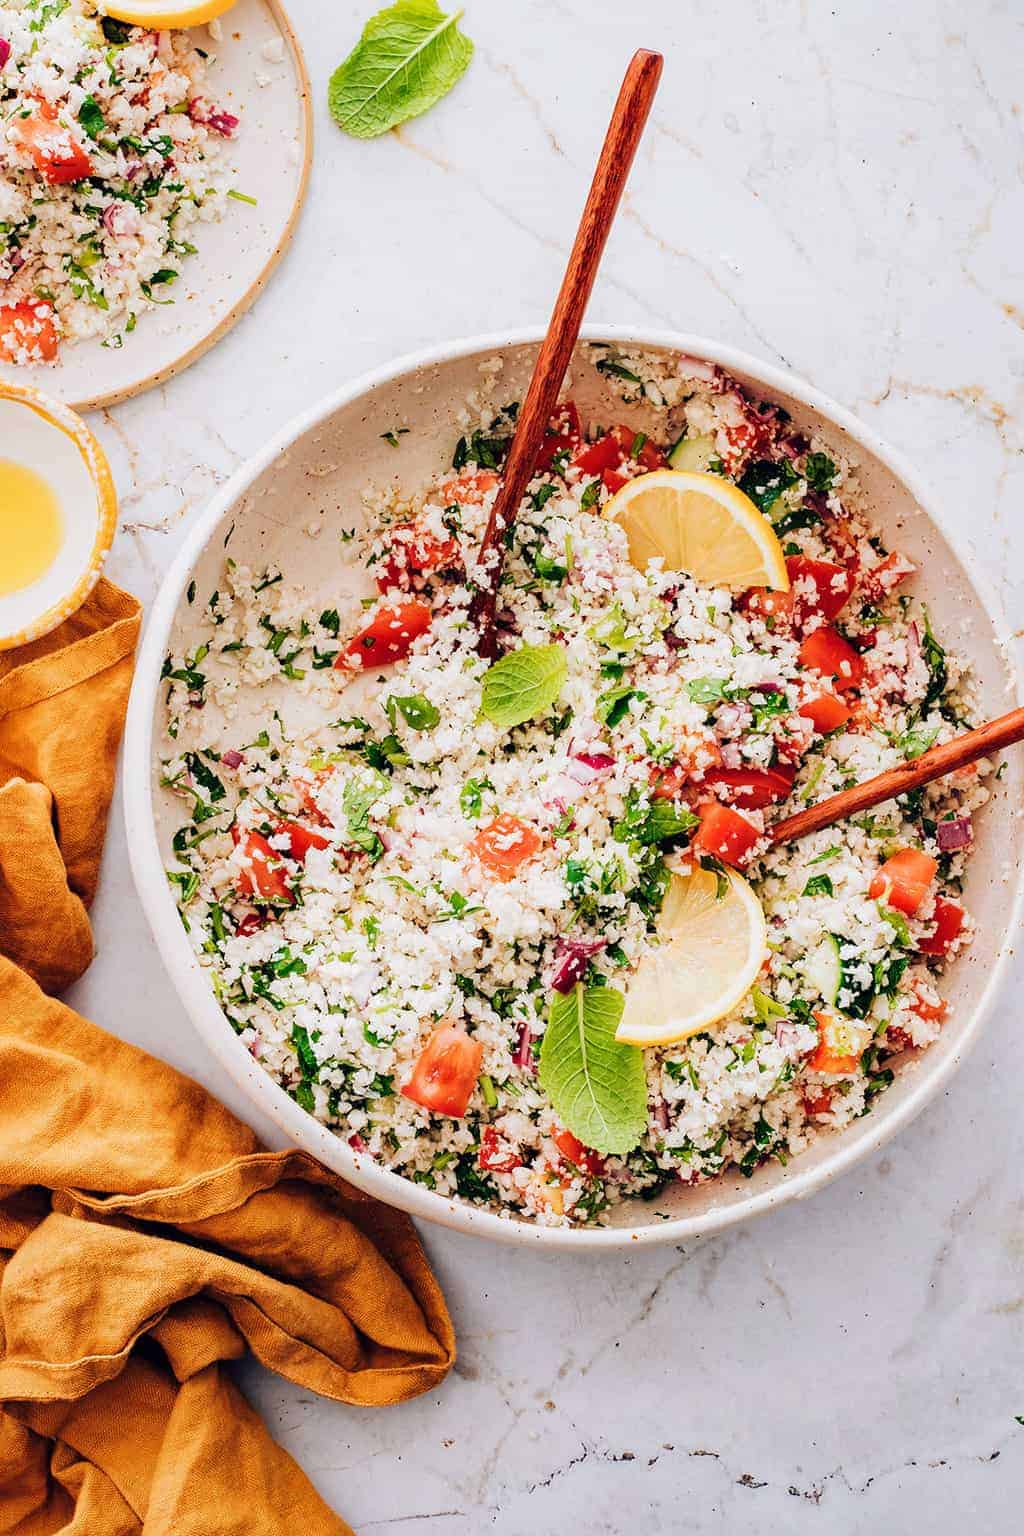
point(764, 482)
point(648, 822)
point(117, 32)
point(416, 710)
point(819, 471)
point(91, 118)
point(358, 795)
point(409, 56)
point(917, 741)
point(613, 706)
point(471, 797)
point(597, 1087)
point(935, 659)
point(708, 690)
point(819, 885)
point(523, 684)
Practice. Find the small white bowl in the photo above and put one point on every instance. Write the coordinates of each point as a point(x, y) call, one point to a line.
point(45, 436)
point(315, 469)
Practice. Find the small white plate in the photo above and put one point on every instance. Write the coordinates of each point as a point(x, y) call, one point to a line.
point(269, 160)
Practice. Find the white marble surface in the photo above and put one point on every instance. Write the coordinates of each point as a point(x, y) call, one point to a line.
point(836, 186)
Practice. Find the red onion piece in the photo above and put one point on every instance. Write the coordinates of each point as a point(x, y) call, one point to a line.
point(223, 123)
point(571, 957)
point(585, 767)
point(524, 1055)
point(696, 368)
point(5, 51)
point(232, 759)
point(357, 1143)
point(661, 1115)
point(955, 834)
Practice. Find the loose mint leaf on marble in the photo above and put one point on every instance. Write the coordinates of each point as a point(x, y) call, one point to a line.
point(523, 684)
point(409, 56)
point(597, 1087)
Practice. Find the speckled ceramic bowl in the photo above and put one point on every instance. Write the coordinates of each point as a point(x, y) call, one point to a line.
point(315, 470)
point(42, 435)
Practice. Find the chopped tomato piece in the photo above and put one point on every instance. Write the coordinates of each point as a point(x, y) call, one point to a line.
point(903, 880)
point(897, 1039)
point(840, 1044)
point(648, 455)
point(818, 1103)
point(931, 1013)
point(776, 608)
point(949, 922)
point(824, 587)
point(825, 651)
point(504, 844)
point(58, 155)
point(613, 481)
point(263, 876)
point(414, 554)
point(594, 458)
point(886, 576)
point(751, 788)
point(668, 780)
point(301, 839)
point(584, 1158)
point(793, 735)
point(446, 1072)
point(562, 436)
point(252, 922)
point(27, 332)
point(825, 712)
point(496, 1156)
point(388, 637)
point(469, 489)
point(723, 833)
point(307, 794)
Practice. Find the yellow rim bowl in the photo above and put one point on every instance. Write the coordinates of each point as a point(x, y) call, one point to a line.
point(88, 530)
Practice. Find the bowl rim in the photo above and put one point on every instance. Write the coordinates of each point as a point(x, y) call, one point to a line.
point(190, 981)
point(64, 418)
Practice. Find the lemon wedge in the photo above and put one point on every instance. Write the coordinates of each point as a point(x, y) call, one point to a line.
point(711, 948)
point(158, 14)
point(702, 524)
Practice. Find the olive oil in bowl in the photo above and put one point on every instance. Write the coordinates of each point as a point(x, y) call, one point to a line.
point(31, 526)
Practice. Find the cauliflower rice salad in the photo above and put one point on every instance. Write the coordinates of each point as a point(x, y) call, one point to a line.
point(111, 155)
point(395, 908)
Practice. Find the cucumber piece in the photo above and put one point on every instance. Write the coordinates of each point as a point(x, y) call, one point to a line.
point(823, 969)
point(693, 453)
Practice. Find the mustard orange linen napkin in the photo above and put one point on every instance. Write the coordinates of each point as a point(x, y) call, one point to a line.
point(62, 707)
point(144, 1236)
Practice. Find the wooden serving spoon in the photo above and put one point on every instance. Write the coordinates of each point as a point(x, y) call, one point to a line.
point(933, 764)
point(627, 124)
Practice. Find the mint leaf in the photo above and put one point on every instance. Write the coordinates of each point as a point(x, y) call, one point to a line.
point(409, 56)
point(597, 1087)
point(523, 684)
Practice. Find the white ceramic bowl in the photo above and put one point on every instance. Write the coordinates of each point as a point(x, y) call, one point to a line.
point(315, 469)
point(40, 434)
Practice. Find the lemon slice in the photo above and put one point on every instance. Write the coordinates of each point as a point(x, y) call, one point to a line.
point(701, 524)
point(165, 13)
point(712, 948)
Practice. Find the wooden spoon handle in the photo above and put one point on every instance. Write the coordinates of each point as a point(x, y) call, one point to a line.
point(933, 764)
point(627, 124)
